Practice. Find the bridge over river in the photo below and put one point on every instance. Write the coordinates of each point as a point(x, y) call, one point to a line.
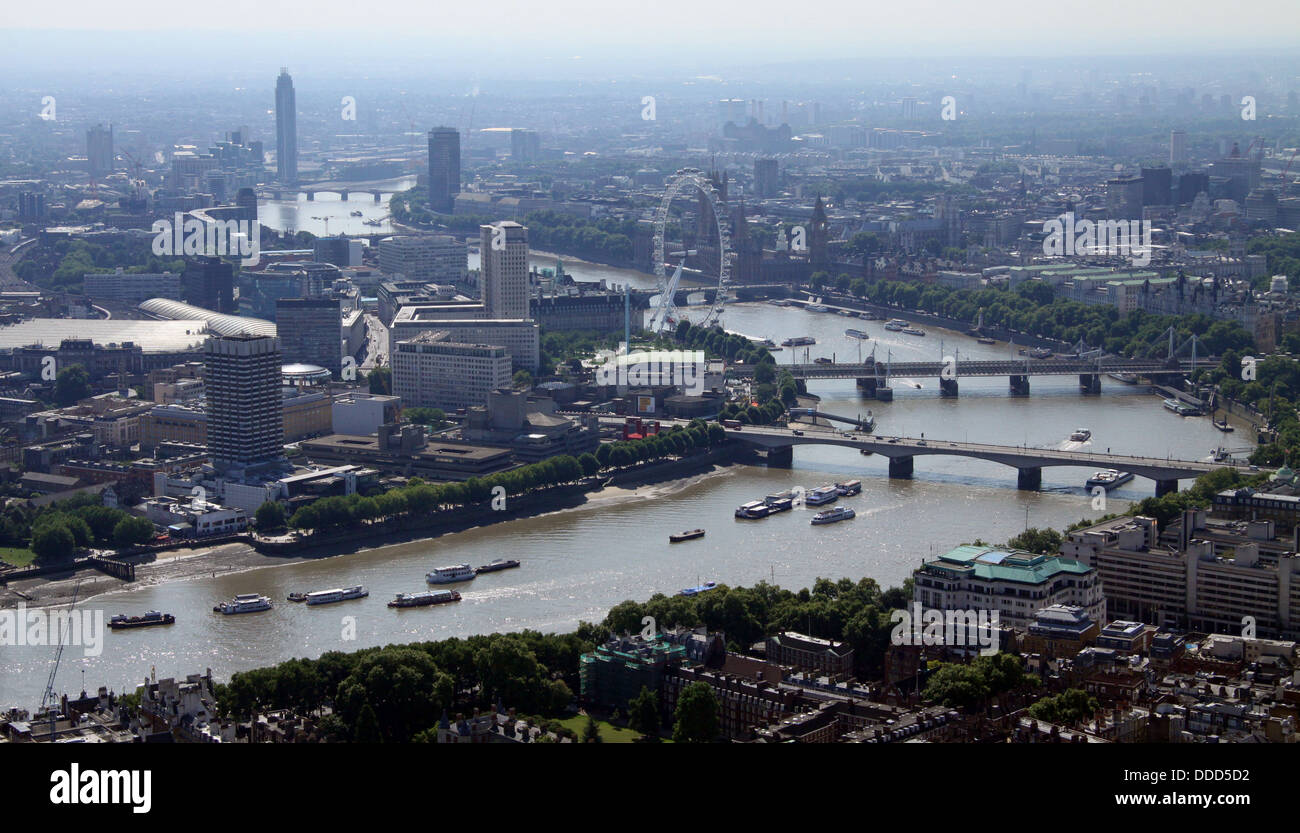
point(873, 378)
point(1028, 462)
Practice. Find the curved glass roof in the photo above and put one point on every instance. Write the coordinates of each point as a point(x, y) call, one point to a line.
point(217, 323)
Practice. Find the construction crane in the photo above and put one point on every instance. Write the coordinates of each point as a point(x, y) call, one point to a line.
point(49, 699)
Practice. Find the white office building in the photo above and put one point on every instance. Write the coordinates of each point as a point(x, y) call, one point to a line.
point(434, 371)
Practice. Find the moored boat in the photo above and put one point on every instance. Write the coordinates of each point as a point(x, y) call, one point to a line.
point(848, 487)
point(123, 622)
point(830, 516)
point(822, 494)
point(752, 510)
point(1223, 426)
point(450, 574)
point(690, 535)
point(855, 333)
point(798, 341)
point(986, 340)
point(498, 564)
point(427, 597)
point(297, 597)
point(913, 331)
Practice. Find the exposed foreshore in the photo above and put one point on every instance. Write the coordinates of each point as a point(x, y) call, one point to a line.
point(645, 482)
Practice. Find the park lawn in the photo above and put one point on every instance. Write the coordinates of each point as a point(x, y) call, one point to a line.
point(17, 556)
point(609, 733)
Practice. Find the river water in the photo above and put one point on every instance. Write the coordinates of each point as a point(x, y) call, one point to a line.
point(578, 563)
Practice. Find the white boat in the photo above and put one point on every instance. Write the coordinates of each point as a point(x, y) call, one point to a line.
point(798, 341)
point(338, 594)
point(244, 603)
point(896, 325)
point(819, 308)
point(830, 516)
point(1081, 435)
point(848, 487)
point(1109, 478)
point(852, 333)
point(1126, 378)
point(450, 574)
point(753, 510)
point(913, 331)
point(822, 494)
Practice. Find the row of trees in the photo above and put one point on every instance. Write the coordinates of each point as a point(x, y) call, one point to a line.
point(420, 498)
point(398, 693)
point(1273, 389)
point(55, 533)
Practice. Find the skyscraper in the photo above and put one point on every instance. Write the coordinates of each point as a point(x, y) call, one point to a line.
point(525, 145)
point(99, 151)
point(310, 332)
point(1177, 147)
point(766, 177)
point(444, 168)
point(245, 412)
point(286, 129)
point(504, 269)
point(209, 282)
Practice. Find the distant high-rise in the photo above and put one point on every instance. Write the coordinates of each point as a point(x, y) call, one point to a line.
point(286, 129)
point(909, 108)
point(246, 199)
point(31, 206)
point(245, 411)
point(525, 145)
point(1157, 186)
point(99, 151)
point(1177, 147)
point(504, 269)
point(310, 332)
point(444, 168)
point(766, 176)
point(209, 282)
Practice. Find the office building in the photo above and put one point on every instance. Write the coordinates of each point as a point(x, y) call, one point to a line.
point(310, 332)
point(209, 282)
point(436, 258)
point(1157, 186)
point(444, 169)
point(99, 151)
point(245, 421)
point(518, 335)
point(133, 288)
point(1124, 198)
point(525, 145)
point(504, 276)
point(1015, 584)
point(432, 371)
point(766, 178)
point(361, 414)
point(1177, 147)
point(286, 129)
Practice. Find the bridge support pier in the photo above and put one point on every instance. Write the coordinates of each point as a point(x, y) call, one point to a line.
point(1089, 383)
point(1019, 385)
point(343, 195)
point(1164, 487)
point(901, 467)
point(1029, 479)
point(947, 387)
point(376, 195)
point(867, 386)
point(781, 457)
point(311, 196)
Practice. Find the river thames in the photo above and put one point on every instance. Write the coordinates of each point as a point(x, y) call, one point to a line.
point(578, 563)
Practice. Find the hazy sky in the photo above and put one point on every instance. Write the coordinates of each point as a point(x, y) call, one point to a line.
point(542, 34)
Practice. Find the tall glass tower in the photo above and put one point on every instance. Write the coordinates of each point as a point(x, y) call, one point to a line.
point(286, 129)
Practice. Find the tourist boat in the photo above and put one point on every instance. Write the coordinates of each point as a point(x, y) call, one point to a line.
point(1081, 435)
point(830, 516)
point(427, 597)
point(122, 622)
point(1109, 479)
point(782, 505)
point(848, 487)
point(1126, 378)
point(1040, 353)
point(777, 497)
point(244, 603)
point(450, 574)
point(686, 536)
point(913, 331)
point(798, 341)
point(986, 340)
point(868, 316)
point(297, 597)
point(822, 494)
point(754, 509)
point(338, 594)
point(699, 588)
point(498, 564)
point(852, 333)
point(896, 325)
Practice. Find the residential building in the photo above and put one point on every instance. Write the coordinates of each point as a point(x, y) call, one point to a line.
point(244, 403)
